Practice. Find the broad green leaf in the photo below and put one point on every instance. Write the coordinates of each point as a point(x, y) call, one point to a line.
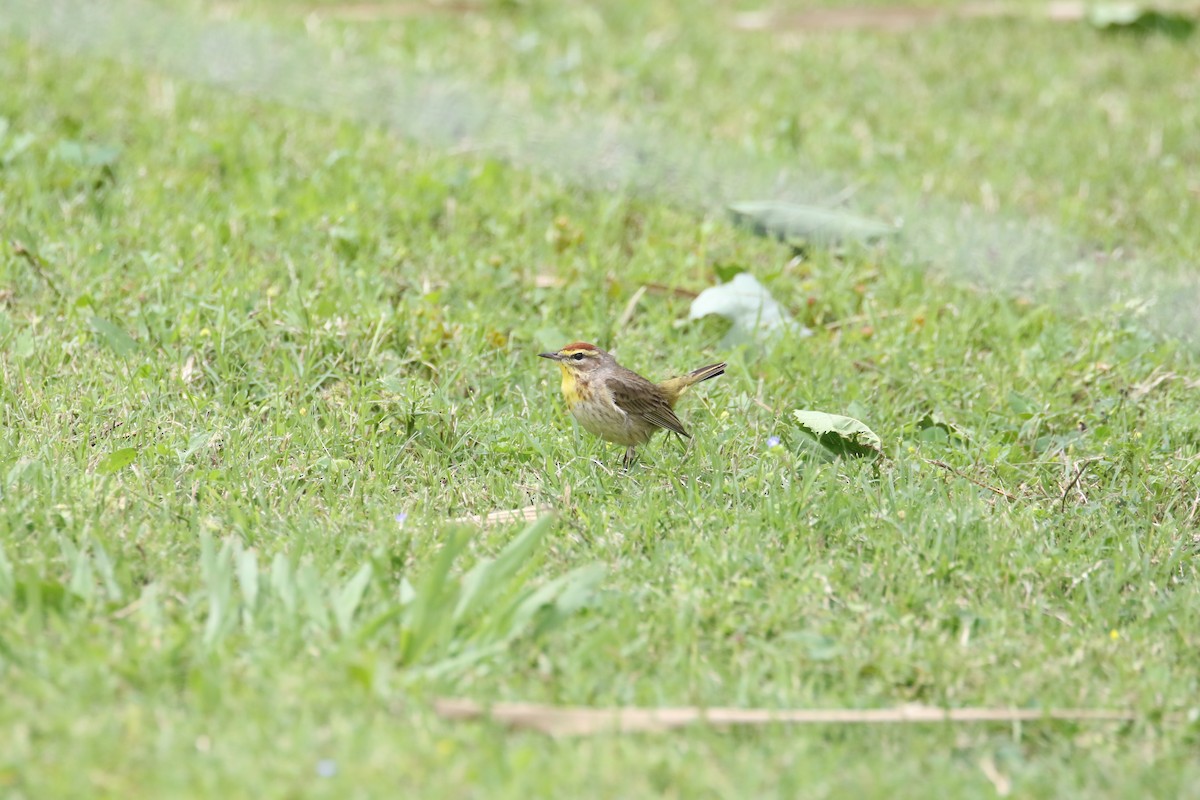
point(312, 595)
point(104, 568)
point(435, 598)
point(575, 591)
point(149, 607)
point(800, 224)
point(116, 460)
point(580, 588)
point(346, 602)
point(1021, 405)
point(838, 435)
point(246, 563)
point(488, 577)
point(196, 443)
point(816, 646)
point(370, 629)
point(99, 155)
point(81, 154)
point(67, 151)
point(24, 346)
point(217, 570)
point(68, 548)
point(18, 145)
point(933, 427)
point(405, 592)
point(283, 583)
point(117, 340)
point(572, 590)
point(936, 434)
point(459, 661)
point(82, 585)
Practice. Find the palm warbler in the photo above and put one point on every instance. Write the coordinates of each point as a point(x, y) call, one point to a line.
point(616, 403)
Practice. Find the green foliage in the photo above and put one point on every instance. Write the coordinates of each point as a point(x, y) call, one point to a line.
point(239, 339)
point(441, 622)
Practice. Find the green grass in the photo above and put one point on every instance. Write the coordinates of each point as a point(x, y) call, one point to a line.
point(256, 334)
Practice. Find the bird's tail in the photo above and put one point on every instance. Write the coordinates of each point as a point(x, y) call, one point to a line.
point(674, 387)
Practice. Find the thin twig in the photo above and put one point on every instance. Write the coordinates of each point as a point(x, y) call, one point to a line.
point(630, 308)
point(1058, 616)
point(999, 780)
point(980, 484)
point(363, 12)
point(35, 264)
point(1079, 470)
point(675, 291)
point(857, 318)
point(1157, 377)
point(577, 721)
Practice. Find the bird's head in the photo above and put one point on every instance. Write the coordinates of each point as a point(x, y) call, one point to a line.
point(579, 358)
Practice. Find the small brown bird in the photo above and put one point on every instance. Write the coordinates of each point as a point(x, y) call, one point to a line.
point(616, 403)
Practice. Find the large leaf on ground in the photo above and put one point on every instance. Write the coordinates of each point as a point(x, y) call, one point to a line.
point(837, 435)
point(799, 224)
point(755, 314)
point(1137, 18)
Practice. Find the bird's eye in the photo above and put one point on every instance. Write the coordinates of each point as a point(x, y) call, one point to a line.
point(578, 356)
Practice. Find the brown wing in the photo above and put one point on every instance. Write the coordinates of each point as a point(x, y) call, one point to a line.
point(638, 397)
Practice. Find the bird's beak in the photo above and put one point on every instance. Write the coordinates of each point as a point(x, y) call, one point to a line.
point(551, 356)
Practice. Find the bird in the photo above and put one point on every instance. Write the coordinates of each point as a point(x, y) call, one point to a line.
point(616, 403)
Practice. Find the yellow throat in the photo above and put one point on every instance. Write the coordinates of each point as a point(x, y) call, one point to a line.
point(570, 386)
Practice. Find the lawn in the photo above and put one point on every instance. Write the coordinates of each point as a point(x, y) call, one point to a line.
point(272, 287)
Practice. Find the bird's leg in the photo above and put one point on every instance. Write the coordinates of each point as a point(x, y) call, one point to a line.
point(627, 462)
